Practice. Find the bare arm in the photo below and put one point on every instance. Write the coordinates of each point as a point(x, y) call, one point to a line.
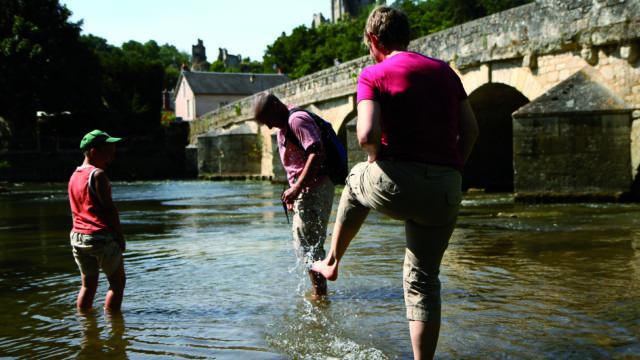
point(467, 129)
point(104, 195)
point(314, 162)
point(369, 133)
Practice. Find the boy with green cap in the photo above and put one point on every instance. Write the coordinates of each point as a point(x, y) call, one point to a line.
point(97, 239)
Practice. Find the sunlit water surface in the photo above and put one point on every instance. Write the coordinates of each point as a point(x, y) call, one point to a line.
point(212, 274)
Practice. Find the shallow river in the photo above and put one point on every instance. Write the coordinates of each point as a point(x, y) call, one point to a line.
point(212, 274)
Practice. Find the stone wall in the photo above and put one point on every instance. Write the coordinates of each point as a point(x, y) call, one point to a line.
point(573, 155)
point(234, 153)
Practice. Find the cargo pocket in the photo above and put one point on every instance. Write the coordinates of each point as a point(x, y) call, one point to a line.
point(385, 184)
point(454, 198)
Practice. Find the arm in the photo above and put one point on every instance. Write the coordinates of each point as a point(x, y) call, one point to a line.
point(104, 195)
point(369, 133)
point(467, 129)
point(315, 159)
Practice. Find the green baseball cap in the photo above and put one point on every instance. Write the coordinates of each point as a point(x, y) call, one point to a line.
point(96, 138)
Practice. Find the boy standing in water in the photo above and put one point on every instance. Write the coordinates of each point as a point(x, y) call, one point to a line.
point(310, 195)
point(97, 238)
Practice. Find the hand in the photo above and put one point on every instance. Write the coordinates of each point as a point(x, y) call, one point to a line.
point(290, 196)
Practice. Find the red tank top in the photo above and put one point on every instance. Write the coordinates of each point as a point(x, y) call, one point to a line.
point(88, 214)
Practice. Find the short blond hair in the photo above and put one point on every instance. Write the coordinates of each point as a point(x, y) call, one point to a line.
point(390, 25)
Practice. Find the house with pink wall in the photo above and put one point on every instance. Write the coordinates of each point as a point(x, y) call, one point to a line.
point(198, 93)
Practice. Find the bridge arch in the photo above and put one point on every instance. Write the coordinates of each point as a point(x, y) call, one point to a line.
point(490, 166)
point(509, 73)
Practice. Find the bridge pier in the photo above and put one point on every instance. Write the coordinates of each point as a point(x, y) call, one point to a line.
point(573, 143)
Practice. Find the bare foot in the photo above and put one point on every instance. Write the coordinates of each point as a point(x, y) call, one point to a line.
point(327, 267)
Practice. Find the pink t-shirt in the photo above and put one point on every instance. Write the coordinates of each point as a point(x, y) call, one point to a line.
point(293, 157)
point(419, 99)
point(88, 214)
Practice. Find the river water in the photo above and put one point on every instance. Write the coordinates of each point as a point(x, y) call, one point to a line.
point(212, 274)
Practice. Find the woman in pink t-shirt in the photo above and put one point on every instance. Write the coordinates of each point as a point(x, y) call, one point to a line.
point(418, 129)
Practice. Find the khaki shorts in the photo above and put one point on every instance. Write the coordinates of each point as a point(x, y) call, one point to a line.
point(311, 216)
point(95, 252)
point(427, 198)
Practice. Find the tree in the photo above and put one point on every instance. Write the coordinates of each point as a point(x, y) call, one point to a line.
point(43, 64)
point(430, 16)
point(170, 58)
point(307, 50)
point(131, 93)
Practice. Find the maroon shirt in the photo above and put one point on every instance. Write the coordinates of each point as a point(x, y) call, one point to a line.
point(293, 157)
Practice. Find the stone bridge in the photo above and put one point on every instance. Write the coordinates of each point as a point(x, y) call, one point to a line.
point(518, 66)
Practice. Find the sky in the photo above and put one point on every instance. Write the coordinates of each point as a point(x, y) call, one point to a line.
point(243, 27)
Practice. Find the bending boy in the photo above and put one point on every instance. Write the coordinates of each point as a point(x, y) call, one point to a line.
point(310, 195)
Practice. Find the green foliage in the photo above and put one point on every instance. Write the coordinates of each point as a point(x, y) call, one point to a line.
point(131, 91)
point(307, 50)
point(247, 66)
point(430, 16)
point(167, 117)
point(168, 55)
point(43, 65)
point(217, 66)
point(47, 66)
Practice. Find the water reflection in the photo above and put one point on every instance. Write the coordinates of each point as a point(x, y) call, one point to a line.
point(104, 340)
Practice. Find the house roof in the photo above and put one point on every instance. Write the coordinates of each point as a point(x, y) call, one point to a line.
point(216, 83)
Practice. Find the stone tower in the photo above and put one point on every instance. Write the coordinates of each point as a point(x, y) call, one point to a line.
point(199, 57)
point(340, 8)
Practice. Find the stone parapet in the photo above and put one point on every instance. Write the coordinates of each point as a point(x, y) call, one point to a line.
point(542, 27)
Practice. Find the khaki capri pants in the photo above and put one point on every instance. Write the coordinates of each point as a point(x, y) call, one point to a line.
point(427, 198)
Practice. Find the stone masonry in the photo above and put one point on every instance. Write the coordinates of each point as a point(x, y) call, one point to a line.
point(531, 49)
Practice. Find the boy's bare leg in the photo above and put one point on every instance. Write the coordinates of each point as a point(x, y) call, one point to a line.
point(340, 241)
point(87, 292)
point(319, 283)
point(424, 338)
point(117, 280)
